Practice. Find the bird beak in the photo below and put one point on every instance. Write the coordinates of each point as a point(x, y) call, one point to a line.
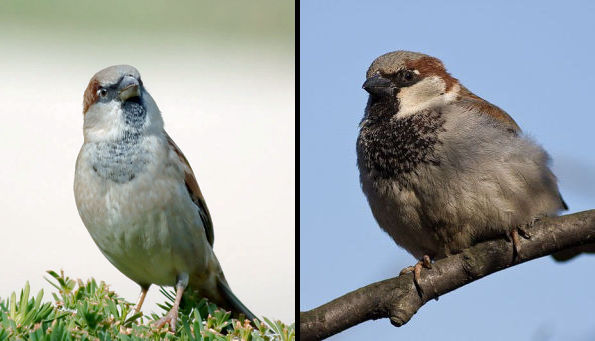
point(380, 86)
point(129, 87)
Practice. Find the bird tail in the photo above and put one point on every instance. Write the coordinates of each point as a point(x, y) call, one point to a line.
point(231, 301)
point(564, 205)
point(564, 255)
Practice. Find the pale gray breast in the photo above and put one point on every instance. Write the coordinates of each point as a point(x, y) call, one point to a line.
point(119, 161)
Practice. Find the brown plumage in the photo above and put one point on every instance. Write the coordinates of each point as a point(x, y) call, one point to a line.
point(473, 102)
point(441, 167)
point(194, 191)
point(90, 95)
point(430, 66)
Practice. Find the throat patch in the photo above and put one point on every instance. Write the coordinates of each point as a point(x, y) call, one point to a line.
point(122, 160)
point(135, 114)
point(391, 147)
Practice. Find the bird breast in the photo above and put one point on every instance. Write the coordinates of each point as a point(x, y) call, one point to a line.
point(119, 161)
point(437, 189)
point(393, 148)
point(132, 198)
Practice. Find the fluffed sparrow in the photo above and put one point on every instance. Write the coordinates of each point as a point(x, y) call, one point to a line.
point(442, 168)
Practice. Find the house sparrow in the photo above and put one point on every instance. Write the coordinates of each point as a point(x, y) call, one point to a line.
point(138, 196)
point(442, 168)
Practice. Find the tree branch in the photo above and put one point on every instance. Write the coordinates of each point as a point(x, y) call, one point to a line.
point(398, 299)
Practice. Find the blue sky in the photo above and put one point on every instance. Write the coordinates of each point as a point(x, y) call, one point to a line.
point(533, 59)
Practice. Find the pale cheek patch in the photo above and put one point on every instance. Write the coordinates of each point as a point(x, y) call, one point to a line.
point(103, 121)
point(423, 95)
point(111, 121)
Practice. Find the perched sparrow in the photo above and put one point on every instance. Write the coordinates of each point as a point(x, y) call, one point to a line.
point(442, 168)
point(138, 196)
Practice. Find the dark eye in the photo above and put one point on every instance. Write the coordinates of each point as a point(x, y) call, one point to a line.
point(406, 77)
point(102, 92)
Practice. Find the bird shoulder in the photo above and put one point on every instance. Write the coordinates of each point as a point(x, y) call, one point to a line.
point(470, 101)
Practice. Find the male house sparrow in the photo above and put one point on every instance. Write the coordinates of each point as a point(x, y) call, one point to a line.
point(138, 196)
point(442, 168)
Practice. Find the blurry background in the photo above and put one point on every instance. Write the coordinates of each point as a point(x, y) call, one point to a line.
point(223, 75)
point(533, 59)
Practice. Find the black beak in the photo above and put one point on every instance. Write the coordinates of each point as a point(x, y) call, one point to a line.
point(380, 86)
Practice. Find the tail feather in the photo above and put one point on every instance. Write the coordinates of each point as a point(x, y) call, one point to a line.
point(564, 205)
point(232, 302)
point(564, 255)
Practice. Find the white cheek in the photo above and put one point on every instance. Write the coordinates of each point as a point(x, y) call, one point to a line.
point(103, 121)
point(423, 95)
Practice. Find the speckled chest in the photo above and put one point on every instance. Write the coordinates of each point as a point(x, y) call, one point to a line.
point(123, 160)
point(389, 148)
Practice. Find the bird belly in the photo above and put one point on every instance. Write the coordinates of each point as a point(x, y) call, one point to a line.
point(147, 227)
point(397, 211)
point(471, 195)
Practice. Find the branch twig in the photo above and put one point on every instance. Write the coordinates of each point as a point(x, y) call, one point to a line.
point(397, 298)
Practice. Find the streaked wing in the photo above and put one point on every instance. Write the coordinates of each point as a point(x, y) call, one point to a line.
point(195, 193)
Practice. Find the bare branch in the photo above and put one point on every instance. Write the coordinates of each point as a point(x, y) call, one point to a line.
point(398, 299)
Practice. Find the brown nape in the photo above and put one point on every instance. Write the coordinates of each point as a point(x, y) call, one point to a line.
point(90, 96)
point(430, 66)
point(488, 108)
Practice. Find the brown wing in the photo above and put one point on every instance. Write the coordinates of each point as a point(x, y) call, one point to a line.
point(195, 193)
point(469, 99)
point(488, 108)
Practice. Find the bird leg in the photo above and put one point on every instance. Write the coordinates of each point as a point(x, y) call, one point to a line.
point(172, 316)
point(141, 300)
point(425, 262)
point(516, 240)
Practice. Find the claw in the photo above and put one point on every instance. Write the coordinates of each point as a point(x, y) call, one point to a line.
point(425, 262)
point(171, 318)
point(406, 270)
point(417, 275)
point(516, 245)
point(516, 241)
point(524, 232)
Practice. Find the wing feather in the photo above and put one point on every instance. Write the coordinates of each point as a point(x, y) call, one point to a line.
point(484, 107)
point(194, 192)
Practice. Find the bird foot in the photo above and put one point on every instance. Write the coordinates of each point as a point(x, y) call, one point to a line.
point(425, 262)
point(513, 236)
point(171, 318)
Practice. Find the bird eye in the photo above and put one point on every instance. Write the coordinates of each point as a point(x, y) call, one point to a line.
point(406, 75)
point(102, 92)
point(406, 78)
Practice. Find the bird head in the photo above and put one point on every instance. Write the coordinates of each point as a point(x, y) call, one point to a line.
point(411, 81)
point(116, 102)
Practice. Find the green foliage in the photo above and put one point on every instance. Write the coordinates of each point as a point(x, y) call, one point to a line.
point(90, 311)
